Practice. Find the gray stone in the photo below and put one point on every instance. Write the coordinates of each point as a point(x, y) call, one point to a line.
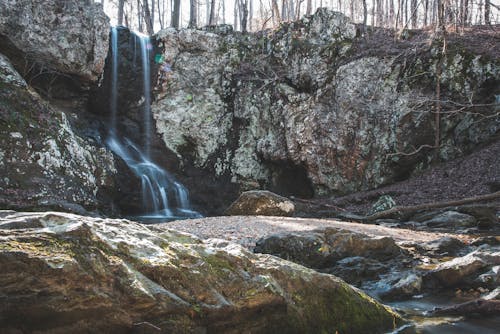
point(322, 248)
point(407, 286)
point(44, 162)
point(298, 98)
point(261, 203)
point(451, 219)
point(69, 37)
point(64, 273)
point(456, 271)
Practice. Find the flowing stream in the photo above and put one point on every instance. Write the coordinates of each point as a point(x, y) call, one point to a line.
point(163, 197)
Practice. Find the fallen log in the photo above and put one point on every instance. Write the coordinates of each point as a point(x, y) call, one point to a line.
point(427, 206)
point(476, 307)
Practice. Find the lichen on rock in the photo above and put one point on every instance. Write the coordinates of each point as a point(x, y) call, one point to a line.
point(85, 274)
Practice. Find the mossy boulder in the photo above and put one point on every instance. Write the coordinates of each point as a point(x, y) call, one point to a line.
point(261, 203)
point(69, 273)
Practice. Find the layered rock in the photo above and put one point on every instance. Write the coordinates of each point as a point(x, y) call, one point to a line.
point(302, 111)
point(68, 273)
point(44, 163)
point(50, 36)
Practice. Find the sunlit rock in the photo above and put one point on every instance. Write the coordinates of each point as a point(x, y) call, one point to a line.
point(68, 273)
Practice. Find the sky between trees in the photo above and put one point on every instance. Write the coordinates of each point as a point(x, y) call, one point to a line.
point(253, 15)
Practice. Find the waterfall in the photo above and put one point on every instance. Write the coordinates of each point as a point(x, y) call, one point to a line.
point(163, 197)
point(114, 78)
point(145, 43)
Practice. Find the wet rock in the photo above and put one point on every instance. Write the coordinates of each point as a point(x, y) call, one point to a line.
point(451, 219)
point(495, 294)
point(69, 37)
point(445, 246)
point(407, 286)
point(462, 270)
point(490, 278)
point(68, 273)
point(322, 248)
point(357, 270)
point(261, 203)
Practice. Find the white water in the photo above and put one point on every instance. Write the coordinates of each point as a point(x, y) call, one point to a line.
point(145, 42)
point(114, 78)
point(163, 197)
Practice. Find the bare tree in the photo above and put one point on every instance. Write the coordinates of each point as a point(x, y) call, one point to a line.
point(121, 4)
point(243, 11)
point(193, 14)
point(308, 7)
point(276, 11)
point(147, 17)
point(211, 19)
point(176, 14)
point(487, 10)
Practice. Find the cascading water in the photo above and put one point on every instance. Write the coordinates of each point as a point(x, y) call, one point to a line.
point(163, 197)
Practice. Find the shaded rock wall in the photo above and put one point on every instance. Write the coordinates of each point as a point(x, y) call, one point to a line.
point(44, 162)
point(51, 152)
point(300, 111)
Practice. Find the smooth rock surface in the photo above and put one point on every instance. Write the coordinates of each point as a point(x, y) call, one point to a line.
point(68, 273)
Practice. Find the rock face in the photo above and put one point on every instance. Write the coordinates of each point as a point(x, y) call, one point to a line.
point(321, 249)
point(261, 203)
point(69, 37)
point(68, 273)
point(303, 103)
point(44, 163)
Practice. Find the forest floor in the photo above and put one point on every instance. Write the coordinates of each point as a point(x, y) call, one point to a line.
point(480, 40)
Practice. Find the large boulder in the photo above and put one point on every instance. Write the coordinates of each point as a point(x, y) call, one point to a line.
point(69, 37)
point(322, 248)
point(261, 203)
point(44, 162)
point(303, 111)
point(68, 273)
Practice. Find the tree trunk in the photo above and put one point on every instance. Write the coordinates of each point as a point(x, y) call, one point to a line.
point(236, 11)
point(250, 15)
point(121, 3)
point(284, 10)
point(139, 16)
point(365, 15)
point(211, 20)
point(308, 7)
point(153, 14)
point(276, 11)
point(193, 14)
point(413, 13)
point(243, 4)
point(487, 9)
point(147, 17)
point(176, 13)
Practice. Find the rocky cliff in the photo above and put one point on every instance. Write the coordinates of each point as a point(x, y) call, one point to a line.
point(314, 109)
point(50, 153)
